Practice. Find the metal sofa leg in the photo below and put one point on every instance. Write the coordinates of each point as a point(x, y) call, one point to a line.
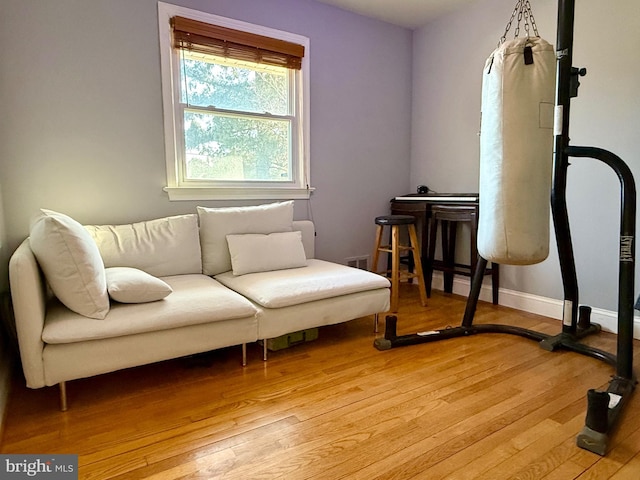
point(244, 354)
point(63, 396)
point(264, 349)
point(376, 320)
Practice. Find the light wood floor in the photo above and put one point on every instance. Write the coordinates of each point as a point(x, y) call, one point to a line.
point(490, 406)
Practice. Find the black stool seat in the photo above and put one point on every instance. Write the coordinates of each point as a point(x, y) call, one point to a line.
point(395, 220)
point(447, 217)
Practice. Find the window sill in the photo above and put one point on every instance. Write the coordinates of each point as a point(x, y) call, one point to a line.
point(208, 193)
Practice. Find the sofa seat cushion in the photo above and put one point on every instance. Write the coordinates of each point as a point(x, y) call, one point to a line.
point(317, 281)
point(196, 299)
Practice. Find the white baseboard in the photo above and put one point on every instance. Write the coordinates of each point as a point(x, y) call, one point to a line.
point(547, 307)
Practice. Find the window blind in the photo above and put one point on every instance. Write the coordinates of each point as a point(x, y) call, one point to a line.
point(202, 37)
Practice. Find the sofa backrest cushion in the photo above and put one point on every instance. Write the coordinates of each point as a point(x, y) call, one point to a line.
point(71, 263)
point(217, 223)
point(161, 247)
point(308, 231)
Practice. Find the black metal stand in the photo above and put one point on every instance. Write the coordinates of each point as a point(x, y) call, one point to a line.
point(603, 408)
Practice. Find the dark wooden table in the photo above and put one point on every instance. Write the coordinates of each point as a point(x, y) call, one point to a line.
point(419, 206)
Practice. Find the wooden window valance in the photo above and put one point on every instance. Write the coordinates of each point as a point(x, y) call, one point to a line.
point(211, 39)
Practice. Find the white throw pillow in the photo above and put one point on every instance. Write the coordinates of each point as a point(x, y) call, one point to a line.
point(71, 263)
point(130, 285)
point(217, 223)
point(253, 252)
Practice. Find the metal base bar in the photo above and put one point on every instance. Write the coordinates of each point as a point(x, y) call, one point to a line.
point(562, 341)
point(619, 390)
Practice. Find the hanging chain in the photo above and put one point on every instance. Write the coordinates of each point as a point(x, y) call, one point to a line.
point(506, 30)
point(533, 20)
point(521, 10)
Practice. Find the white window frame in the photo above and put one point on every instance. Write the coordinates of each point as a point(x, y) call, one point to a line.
point(177, 188)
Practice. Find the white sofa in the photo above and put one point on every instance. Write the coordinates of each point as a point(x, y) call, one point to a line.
point(173, 287)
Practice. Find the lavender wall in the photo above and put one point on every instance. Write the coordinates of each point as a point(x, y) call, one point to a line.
point(81, 127)
point(449, 55)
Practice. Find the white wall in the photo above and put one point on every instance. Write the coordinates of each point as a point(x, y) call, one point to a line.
point(81, 126)
point(449, 55)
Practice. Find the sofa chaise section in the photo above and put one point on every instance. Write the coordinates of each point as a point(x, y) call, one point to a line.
point(320, 293)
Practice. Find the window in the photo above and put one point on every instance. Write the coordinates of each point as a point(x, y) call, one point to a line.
point(235, 98)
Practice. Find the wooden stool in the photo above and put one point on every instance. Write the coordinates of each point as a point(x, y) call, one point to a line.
point(395, 222)
point(448, 217)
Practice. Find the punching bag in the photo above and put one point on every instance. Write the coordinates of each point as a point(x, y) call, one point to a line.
point(516, 152)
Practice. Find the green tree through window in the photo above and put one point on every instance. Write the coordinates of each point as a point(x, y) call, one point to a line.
point(237, 120)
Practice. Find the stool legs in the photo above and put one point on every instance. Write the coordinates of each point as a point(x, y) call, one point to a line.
point(433, 226)
point(417, 264)
point(447, 221)
point(394, 251)
point(395, 268)
point(449, 233)
point(376, 249)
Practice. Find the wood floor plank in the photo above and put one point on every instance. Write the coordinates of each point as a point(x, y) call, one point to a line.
point(490, 406)
point(630, 470)
point(462, 436)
